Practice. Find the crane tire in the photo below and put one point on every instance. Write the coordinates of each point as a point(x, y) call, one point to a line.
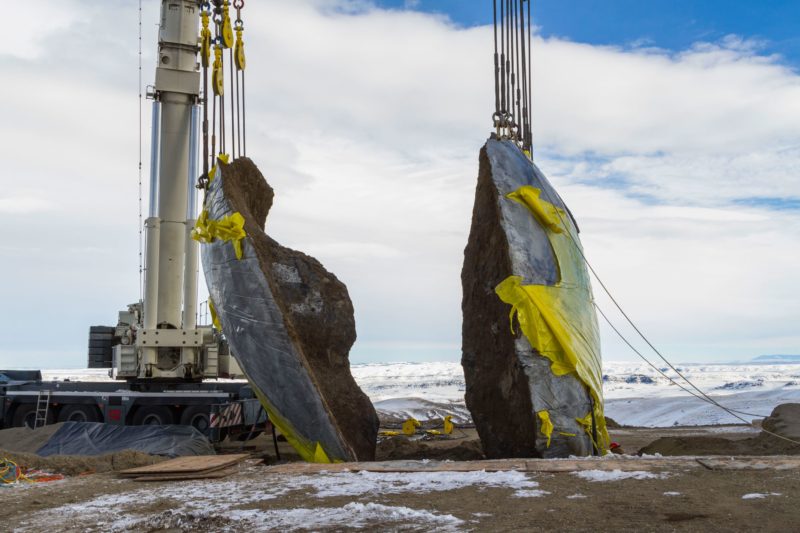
point(25, 416)
point(153, 415)
point(80, 413)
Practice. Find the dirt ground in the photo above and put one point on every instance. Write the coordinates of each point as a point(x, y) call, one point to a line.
point(668, 499)
point(695, 499)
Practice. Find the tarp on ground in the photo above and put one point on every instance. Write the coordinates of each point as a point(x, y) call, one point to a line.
point(93, 438)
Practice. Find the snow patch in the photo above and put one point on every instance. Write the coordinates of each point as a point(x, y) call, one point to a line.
point(361, 483)
point(617, 475)
point(671, 493)
point(759, 496)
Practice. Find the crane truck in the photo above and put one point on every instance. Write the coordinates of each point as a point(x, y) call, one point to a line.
point(165, 366)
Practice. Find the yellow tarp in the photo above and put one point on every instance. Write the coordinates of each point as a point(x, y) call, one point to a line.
point(559, 320)
point(310, 451)
point(229, 228)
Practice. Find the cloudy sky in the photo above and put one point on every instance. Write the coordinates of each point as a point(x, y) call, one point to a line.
point(670, 129)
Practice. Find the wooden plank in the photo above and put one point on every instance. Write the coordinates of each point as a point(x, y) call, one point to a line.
point(215, 474)
point(197, 463)
point(625, 463)
point(777, 462)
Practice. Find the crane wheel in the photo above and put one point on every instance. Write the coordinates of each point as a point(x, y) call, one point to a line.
point(153, 415)
point(80, 413)
point(25, 416)
point(198, 417)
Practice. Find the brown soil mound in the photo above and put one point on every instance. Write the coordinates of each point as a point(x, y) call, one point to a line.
point(402, 448)
point(761, 445)
point(25, 439)
point(75, 465)
point(784, 420)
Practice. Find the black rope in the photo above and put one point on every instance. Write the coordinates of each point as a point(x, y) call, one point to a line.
point(244, 120)
point(233, 112)
point(512, 85)
point(708, 398)
point(496, 117)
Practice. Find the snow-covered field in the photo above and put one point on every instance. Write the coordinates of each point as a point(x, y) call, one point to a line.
point(635, 393)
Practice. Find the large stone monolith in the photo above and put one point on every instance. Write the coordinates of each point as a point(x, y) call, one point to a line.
point(289, 322)
point(526, 398)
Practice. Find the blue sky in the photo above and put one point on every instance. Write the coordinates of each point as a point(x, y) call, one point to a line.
point(669, 24)
point(680, 165)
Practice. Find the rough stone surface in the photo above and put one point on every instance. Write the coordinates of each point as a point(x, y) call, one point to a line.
point(316, 316)
point(497, 388)
point(507, 381)
point(784, 420)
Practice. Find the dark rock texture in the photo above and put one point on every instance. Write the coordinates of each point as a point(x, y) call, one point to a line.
point(497, 392)
point(289, 323)
point(784, 420)
point(507, 381)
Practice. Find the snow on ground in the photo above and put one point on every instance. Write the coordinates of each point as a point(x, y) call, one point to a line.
point(759, 496)
point(635, 393)
point(194, 502)
point(616, 475)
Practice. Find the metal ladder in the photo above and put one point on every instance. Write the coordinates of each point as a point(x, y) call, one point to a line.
point(42, 406)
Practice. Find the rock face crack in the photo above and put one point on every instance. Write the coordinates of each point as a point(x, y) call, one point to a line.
point(289, 323)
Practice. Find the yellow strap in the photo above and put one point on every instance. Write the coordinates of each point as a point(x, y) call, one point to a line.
point(229, 228)
point(221, 158)
point(214, 317)
point(546, 213)
point(320, 456)
point(547, 425)
point(448, 425)
point(410, 426)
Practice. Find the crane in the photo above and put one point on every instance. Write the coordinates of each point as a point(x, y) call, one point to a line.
point(159, 338)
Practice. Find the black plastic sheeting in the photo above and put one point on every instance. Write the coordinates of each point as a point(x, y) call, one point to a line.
point(93, 438)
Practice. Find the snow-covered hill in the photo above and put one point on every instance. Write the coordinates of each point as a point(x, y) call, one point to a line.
point(635, 393)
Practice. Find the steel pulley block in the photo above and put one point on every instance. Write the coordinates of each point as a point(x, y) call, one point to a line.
point(217, 75)
point(238, 53)
point(227, 27)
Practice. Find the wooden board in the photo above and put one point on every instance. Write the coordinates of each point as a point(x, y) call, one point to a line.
point(778, 462)
point(214, 474)
point(626, 463)
point(185, 465)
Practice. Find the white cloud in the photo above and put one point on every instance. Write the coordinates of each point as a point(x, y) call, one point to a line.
point(368, 123)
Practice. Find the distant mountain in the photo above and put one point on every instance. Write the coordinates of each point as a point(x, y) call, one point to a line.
point(774, 359)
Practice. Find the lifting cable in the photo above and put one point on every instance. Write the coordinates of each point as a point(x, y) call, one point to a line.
point(240, 62)
point(205, 62)
point(700, 393)
point(512, 56)
point(512, 72)
point(228, 126)
point(141, 230)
